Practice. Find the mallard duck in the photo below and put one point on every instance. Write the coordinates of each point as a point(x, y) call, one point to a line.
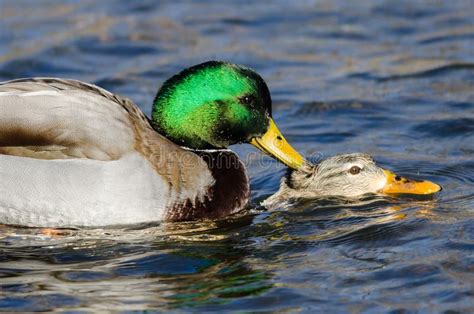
point(75, 155)
point(346, 175)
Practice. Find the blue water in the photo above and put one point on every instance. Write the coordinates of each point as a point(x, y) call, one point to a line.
point(391, 78)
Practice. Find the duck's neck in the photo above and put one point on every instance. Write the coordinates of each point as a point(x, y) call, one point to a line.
point(228, 195)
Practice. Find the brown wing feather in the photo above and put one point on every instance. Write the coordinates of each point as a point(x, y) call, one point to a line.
point(46, 130)
point(51, 118)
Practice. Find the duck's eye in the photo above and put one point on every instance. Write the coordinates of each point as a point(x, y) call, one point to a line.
point(247, 100)
point(354, 170)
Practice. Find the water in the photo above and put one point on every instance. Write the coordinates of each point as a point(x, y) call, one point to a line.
point(389, 78)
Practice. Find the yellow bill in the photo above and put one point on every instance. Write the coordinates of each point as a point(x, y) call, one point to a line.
point(275, 145)
point(398, 185)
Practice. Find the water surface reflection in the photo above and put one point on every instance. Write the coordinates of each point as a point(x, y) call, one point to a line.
point(392, 79)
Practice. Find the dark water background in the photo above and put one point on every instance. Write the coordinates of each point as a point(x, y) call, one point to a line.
point(389, 78)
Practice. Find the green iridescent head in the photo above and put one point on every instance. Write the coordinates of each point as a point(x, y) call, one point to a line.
point(212, 105)
point(217, 104)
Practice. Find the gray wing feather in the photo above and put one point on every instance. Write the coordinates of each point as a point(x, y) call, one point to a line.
point(53, 118)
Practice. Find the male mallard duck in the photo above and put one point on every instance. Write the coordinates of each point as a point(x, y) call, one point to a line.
point(347, 175)
point(74, 154)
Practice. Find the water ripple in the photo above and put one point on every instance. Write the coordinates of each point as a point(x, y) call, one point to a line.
point(392, 79)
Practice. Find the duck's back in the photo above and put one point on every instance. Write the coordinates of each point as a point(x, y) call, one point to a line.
point(54, 119)
point(73, 154)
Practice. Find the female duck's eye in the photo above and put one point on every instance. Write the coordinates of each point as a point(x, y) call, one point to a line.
point(247, 100)
point(354, 170)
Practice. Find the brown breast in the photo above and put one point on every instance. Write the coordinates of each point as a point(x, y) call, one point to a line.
point(230, 193)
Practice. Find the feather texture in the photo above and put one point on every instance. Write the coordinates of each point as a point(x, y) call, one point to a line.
point(73, 154)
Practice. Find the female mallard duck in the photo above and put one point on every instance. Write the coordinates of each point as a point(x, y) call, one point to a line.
point(73, 154)
point(347, 175)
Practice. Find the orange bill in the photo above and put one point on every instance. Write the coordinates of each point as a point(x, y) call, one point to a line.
point(275, 145)
point(398, 185)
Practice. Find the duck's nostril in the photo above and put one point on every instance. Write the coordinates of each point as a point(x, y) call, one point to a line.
point(279, 138)
point(398, 178)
